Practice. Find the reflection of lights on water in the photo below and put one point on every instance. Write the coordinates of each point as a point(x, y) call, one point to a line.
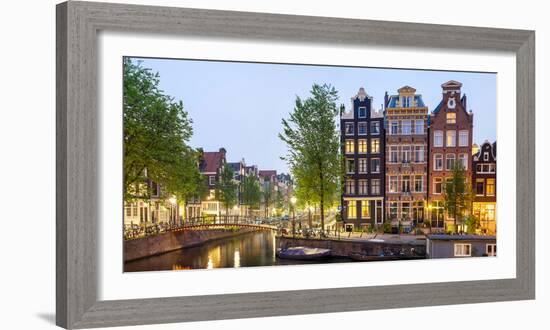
point(214, 257)
point(274, 247)
point(210, 264)
point(237, 259)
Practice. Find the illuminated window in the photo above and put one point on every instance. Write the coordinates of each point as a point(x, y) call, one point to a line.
point(490, 187)
point(451, 138)
point(350, 146)
point(451, 118)
point(362, 147)
point(365, 212)
point(375, 146)
point(352, 210)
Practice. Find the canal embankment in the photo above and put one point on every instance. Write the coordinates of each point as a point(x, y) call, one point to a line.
point(174, 240)
point(347, 247)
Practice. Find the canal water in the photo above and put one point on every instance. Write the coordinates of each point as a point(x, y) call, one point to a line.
point(247, 250)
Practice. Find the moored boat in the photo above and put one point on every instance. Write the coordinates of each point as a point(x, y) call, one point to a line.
point(303, 253)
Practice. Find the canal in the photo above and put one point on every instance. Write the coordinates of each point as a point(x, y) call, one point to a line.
point(246, 250)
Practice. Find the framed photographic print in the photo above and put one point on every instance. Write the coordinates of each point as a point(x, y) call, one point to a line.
point(235, 165)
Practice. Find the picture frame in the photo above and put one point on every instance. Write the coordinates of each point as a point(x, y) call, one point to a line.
point(78, 24)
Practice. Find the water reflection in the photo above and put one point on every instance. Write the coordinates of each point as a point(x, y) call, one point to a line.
point(254, 249)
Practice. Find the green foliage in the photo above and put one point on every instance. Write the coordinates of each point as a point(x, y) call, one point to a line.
point(156, 132)
point(472, 223)
point(387, 227)
point(313, 144)
point(268, 194)
point(226, 188)
point(457, 194)
point(252, 193)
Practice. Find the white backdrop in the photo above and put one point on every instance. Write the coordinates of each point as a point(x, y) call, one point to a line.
point(27, 145)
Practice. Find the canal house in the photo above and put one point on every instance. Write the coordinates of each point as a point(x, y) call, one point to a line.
point(484, 179)
point(450, 142)
point(362, 140)
point(406, 157)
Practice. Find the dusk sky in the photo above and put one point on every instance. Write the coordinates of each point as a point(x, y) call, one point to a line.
point(239, 106)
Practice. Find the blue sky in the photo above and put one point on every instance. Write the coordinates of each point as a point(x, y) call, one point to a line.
point(239, 106)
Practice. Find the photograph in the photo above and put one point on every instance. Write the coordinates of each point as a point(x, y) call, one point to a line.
point(232, 164)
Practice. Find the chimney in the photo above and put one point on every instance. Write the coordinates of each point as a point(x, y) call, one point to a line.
point(463, 101)
point(342, 109)
point(386, 99)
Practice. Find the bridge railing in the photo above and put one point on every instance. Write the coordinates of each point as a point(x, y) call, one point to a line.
point(133, 231)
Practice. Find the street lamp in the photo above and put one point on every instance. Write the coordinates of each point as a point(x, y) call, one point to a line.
point(172, 201)
point(293, 201)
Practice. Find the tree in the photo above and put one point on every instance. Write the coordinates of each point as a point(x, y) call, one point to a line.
point(156, 133)
point(252, 193)
point(267, 196)
point(226, 188)
point(313, 143)
point(457, 194)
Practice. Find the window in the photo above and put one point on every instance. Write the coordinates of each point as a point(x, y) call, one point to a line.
point(362, 128)
point(451, 138)
point(350, 129)
point(375, 165)
point(393, 210)
point(128, 209)
point(491, 250)
point(490, 187)
point(375, 186)
point(485, 168)
point(451, 118)
point(490, 212)
point(406, 154)
point(352, 210)
point(438, 138)
point(212, 180)
point(419, 154)
point(362, 146)
point(405, 210)
point(418, 183)
point(365, 212)
point(393, 184)
point(406, 184)
point(450, 161)
point(393, 154)
point(363, 187)
point(362, 165)
point(438, 185)
point(463, 250)
point(492, 168)
point(405, 101)
point(378, 211)
point(463, 138)
point(350, 166)
point(350, 146)
point(350, 187)
point(375, 128)
point(406, 127)
point(438, 162)
point(480, 187)
point(375, 146)
point(419, 126)
point(463, 160)
point(394, 128)
point(362, 112)
point(486, 156)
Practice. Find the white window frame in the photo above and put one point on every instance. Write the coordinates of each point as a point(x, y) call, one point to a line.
point(438, 136)
point(436, 181)
point(352, 129)
point(493, 252)
point(452, 132)
point(372, 142)
point(377, 124)
point(211, 180)
point(463, 159)
point(373, 168)
point(359, 169)
point(462, 253)
point(436, 156)
point(396, 184)
point(463, 134)
point(421, 152)
point(447, 158)
point(391, 124)
point(394, 150)
point(359, 112)
point(419, 123)
point(406, 123)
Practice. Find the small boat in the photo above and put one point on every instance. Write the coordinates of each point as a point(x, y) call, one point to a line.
point(303, 253)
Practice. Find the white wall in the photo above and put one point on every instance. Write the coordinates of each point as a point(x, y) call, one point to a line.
point(27, 135)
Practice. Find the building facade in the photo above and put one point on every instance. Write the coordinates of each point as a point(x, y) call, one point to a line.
point(210, 165)
point(484, 180)
point(450, 143)
point(406, 157)
point(363, 148)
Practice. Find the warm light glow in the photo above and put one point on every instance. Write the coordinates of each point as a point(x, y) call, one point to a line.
point(293, 200)
point(236, 207)
point(172, 200)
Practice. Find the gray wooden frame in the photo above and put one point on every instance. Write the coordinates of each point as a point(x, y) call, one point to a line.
point(78, 24)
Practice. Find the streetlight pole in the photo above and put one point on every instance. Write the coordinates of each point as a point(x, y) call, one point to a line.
point(293, 201)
